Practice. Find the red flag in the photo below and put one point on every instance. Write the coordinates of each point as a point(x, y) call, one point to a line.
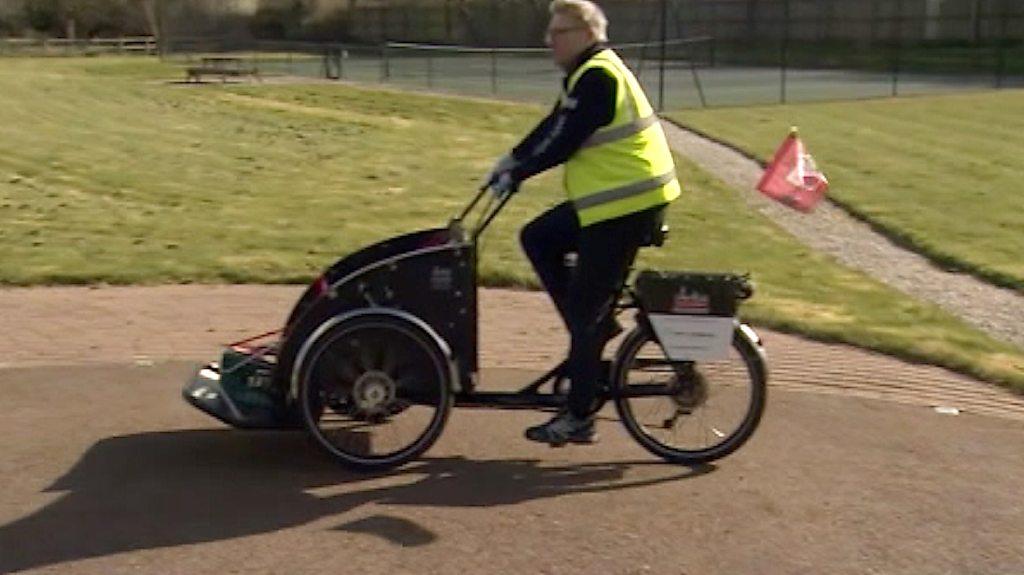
point(792, 178)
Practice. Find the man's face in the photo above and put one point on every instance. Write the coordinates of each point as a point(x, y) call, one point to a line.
point(567, 38)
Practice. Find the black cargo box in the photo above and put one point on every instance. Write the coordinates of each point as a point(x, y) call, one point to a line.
point(692, 293)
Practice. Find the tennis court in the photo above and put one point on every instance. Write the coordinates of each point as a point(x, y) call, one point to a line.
point(690, 77)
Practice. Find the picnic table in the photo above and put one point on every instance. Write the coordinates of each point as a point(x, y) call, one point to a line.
point(223, 66)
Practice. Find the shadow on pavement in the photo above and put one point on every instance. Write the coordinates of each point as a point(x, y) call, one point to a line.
point(397, 530)
point(154, 490)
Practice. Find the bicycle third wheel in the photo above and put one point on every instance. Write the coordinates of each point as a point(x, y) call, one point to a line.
point(712, 409)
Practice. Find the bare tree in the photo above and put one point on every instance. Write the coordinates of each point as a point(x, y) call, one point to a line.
point(151, 13)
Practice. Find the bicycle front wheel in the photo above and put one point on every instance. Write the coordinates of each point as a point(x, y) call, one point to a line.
point(375, 392)
point(689, 412)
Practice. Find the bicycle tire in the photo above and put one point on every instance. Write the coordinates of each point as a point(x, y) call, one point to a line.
point(744, 351)
point(376, 336)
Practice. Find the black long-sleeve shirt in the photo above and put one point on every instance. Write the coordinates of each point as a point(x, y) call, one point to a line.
point(591, 105)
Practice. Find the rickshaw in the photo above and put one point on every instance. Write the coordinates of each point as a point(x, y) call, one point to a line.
point(384, 343)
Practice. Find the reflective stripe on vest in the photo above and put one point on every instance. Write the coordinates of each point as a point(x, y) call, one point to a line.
point(624, 192)
point(619, 132)
point(624, 167)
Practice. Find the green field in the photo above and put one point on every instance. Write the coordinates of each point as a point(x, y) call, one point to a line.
point(941, 174)
point(110, 174)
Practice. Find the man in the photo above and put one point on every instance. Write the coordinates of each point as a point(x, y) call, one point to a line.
point(619, 176)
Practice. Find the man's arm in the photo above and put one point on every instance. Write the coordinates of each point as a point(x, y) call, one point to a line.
point(591, 105)
point(536, 134)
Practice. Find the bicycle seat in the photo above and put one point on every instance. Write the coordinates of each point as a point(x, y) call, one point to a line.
point(656, 237)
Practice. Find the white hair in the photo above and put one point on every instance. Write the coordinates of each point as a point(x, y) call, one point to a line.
point(587, 13)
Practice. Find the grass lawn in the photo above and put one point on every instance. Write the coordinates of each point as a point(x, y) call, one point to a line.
point(109, 175)
point(941, 174)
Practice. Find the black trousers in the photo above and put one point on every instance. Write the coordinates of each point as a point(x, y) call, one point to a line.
point(585, 294)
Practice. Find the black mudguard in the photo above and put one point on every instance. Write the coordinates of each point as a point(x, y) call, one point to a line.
point(428, 274)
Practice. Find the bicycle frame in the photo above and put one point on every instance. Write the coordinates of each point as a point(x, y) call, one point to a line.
point(530, 396)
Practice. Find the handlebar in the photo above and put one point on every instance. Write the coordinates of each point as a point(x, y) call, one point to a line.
point(489, 211)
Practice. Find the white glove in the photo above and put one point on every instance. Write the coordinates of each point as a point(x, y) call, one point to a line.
point(503, 185)
point(504, 164)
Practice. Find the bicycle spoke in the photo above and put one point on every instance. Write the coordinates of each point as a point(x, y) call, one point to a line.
point(378, 421)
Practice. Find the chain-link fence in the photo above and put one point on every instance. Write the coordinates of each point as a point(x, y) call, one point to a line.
point(671, 69)
point(733, 52)
point(819, 49)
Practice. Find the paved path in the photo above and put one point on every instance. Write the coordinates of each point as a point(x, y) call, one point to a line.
point(107, 471)
point(997, 311)
point(75, 325)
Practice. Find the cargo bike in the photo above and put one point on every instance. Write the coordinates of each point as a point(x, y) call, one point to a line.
point(382, 345)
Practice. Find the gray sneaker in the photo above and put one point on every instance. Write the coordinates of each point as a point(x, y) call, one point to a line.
point(563, 428)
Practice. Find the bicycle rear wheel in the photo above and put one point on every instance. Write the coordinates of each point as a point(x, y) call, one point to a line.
point(705, 410)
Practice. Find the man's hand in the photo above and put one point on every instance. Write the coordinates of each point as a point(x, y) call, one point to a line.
point(500, 180)
point(503, 185)
point(504, 164)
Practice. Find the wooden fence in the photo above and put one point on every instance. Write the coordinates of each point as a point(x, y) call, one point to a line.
point(141, 45)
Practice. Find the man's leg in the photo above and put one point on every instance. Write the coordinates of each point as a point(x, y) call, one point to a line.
point(545, 241)
point(606, 251)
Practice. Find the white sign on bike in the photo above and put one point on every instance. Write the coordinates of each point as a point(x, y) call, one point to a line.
point(693, 338)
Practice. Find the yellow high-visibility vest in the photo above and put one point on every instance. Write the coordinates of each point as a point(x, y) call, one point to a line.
point(626, 166)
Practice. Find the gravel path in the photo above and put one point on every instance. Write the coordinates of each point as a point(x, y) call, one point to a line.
point(997, 311)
